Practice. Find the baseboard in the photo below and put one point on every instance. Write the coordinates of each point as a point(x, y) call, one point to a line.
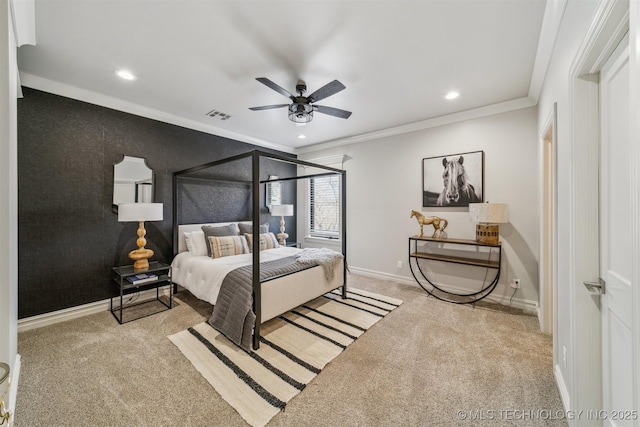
point(539, 314)
point(382, 275)
point(524, 304)
point(74, 312)
point(13, 391)
point(562, 388)
point(45, 319)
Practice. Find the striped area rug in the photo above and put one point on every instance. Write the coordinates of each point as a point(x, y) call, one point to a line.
point(293, 350)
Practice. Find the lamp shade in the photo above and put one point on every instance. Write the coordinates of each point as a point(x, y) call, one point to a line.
point(282, 210)
point(489, 212)
point(130, 212)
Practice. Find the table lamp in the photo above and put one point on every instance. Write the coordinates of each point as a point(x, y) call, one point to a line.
point(140, 212)
point(487, 216)
point(282, 211)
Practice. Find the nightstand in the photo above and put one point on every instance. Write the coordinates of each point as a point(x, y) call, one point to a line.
point(124, 279)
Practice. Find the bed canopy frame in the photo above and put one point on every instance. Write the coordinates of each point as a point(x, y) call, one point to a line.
point(219, 171)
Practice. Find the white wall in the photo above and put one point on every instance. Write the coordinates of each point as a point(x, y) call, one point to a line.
point(634, 63)
point(384, 183)
point(8, 192)
point(576, 20)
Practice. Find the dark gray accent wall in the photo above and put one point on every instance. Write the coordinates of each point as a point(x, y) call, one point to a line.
point(69, 238)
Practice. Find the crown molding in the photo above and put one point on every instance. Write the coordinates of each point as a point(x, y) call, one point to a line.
point(553, 14)
point(57, 88)
point(489, 110)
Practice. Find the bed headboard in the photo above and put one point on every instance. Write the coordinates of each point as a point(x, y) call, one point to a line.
point(188, 228)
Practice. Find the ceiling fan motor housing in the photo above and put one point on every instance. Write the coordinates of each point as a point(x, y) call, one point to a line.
point(301, 88)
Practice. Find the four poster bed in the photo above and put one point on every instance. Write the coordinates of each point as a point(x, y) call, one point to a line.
point(262, 278)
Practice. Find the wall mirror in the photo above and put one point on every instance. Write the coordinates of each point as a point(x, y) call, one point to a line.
point(273, 192)
point(132, 181)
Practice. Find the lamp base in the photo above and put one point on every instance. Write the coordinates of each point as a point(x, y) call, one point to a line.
point(141, 257)
point(488, 234)
point(282, 238)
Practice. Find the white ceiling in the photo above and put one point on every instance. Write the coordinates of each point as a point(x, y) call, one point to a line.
point(396, 58)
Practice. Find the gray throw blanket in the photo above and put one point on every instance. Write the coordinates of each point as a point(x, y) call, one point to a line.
point(325, 257)
point(233, 313)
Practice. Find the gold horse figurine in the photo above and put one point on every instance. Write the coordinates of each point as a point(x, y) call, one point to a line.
point(439, 224)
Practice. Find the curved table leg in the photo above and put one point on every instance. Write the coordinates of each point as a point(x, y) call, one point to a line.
point(473, 297)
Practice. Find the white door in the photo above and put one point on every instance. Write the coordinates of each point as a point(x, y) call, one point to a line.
point(615, 238)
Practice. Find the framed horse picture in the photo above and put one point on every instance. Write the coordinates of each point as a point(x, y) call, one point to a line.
point(453, 180)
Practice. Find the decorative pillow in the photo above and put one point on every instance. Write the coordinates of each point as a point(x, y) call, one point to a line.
point(218, 231)
point(247, 228)
point(267, 241)
point(228, 245)
point(196, 242)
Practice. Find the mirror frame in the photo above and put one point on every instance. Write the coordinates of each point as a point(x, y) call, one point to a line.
point(143, 161)
point(273, 192)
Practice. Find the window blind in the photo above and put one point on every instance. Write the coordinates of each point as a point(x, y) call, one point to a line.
point(324, 207)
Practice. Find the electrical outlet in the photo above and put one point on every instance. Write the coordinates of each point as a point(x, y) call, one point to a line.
point(515, 284)
point(399, 264)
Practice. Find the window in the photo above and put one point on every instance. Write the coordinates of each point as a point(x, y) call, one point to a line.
point(324, 207)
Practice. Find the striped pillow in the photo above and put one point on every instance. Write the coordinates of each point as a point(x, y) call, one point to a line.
point(218, 231)
point(227, 246)
point(267, 241)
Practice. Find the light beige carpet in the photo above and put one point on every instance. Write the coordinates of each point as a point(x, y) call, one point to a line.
point(422, 364)
point(294, 349)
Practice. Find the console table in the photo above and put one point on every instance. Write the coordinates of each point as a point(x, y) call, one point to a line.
point(419, 250)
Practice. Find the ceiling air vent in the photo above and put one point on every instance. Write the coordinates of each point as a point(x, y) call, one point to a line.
point(218, 115)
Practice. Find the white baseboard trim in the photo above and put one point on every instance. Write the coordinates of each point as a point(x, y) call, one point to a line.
point(562, 388)
point(13, 392)
point(46, 319)
point(382, 275)
point(539, 314)
point(524, 304)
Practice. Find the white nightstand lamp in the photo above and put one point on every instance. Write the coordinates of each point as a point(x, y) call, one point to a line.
point(282, 211)
point(140, 212)
point(487, 216)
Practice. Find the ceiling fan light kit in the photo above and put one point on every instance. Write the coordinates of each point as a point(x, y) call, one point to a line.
point(300, 113)
point(301, 109)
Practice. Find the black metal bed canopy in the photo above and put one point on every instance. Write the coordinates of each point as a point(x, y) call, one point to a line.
point(234, 170)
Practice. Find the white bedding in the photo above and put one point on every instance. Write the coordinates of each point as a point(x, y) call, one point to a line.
point(203, 276)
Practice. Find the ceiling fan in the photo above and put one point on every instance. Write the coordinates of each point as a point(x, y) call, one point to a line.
point(302, 108)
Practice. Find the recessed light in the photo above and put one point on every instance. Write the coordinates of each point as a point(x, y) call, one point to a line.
point(301, 136)
point(124, 74)
point(452, 95)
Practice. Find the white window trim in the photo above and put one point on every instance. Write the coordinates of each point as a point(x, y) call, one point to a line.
point(337, 162)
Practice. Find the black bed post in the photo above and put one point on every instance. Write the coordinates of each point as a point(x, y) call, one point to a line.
point(344, 232)
point(174, 215)
point(255, 218)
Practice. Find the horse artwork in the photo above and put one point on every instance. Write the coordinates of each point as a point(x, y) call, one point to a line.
point(439, 224)
point(453, 180)
point(457, 189)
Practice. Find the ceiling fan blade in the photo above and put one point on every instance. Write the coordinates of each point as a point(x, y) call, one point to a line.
point(343, 114)
point(326, 91)
point(265, 81)
point(268, 107)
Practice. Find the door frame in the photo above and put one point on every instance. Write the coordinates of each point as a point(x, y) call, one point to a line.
point(548, 279)
point(634, 114)
point(610, 24)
